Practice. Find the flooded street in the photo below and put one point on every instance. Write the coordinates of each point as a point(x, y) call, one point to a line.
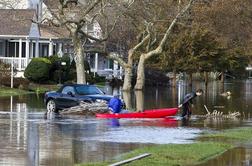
point(240, 156)
point(28, 139)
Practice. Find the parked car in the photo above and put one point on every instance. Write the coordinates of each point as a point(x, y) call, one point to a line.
point(72, 94)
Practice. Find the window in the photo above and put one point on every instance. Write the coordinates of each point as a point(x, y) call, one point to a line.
point(13, 49)
point(23, 49)
point(88, 90)
point(68, 89)
point(45, 50)
point(90, 27)
point(92, 61)
point(110, 64)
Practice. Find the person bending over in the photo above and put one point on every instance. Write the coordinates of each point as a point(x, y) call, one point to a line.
point(115, 105)
point(187, 102)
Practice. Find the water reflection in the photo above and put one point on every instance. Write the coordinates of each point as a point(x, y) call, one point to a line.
point(33, 144)
point(114, 122)
point(27, 139)
point(240, 156)
point(139, 100)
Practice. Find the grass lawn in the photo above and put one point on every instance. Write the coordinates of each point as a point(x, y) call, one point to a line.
point(34, 88)
point(187, 154)
point(175, 154)
point(100, 84)
point(44, 88)
point(241, 134)
point(5, 91)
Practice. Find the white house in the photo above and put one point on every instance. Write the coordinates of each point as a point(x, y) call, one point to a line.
point(22, 39)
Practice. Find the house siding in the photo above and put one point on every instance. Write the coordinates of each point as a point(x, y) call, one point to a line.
point(34, 31)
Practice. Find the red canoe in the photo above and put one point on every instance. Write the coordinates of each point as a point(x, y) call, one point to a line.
point(155, 113)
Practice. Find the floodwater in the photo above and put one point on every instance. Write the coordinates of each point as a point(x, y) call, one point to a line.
point(26, 138)
point(239, 156)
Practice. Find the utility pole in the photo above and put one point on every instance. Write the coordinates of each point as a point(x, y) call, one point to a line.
point(12, 74)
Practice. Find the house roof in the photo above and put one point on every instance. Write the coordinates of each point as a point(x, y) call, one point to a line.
point(48, 31)
point(52, 4)
point(16, 21)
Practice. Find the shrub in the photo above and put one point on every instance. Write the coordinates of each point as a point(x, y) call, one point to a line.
point(58, 71)
point(21, 83)
point(53, 58)
point(38, 70)
point(91, 79)
point(72, 72)
point(5, 70)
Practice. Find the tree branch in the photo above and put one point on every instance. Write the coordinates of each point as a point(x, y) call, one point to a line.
point(147, 37)
point(90, 8)
point(159, 49)
point(115, 56)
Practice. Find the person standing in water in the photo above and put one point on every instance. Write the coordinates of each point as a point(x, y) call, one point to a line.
point(187, 102)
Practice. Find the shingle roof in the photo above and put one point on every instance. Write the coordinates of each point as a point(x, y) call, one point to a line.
point(47, 31)
point(16, 21)
point(52, 4)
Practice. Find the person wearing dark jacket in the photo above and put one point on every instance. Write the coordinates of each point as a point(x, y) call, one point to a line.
point(187, 101)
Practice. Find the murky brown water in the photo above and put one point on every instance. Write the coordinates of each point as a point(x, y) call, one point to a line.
point(240, 156)
point(28, 139)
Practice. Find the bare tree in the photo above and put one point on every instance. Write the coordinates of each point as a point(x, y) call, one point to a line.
point(128, 64)
point(76, 15)
point(150, 22)
point(159, 49)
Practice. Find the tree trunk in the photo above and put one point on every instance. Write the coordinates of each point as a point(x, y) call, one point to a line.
point(174, 78)
point(139, 100)
point(190, 79)
point(174, 95)
point(79, 61)
point(127, 100)
point(127, 78)
point(222, 82)
point(205, 95)
point(222, 87)
point(222, 77)
point(206, 77)
point(140, 74)
point(128, 72)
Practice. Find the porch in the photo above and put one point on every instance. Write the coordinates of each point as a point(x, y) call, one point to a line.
point(103, 66)
point(21, 51)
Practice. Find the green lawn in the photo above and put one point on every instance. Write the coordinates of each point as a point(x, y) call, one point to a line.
point(5, 91)
point(35, 88)
point(188, 154)
point(241, 134)
point(175, 154)
point(100, 84)
point(41, 88)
